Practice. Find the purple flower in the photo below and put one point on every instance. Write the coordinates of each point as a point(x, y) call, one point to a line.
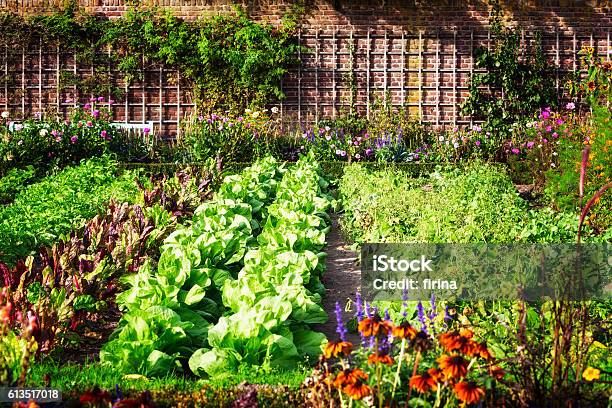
point(110, 101)
point(530, 144)
point(103, 134)
point(555, 135)
point(95, 113)
point(37, 115)
point(560, 121)
point(87, 106)
point(341, 329)
point(432, 314)
point(100, 99)
point(516, 151)
point(477, 128)
point(478, 143)
point(404, 302)
point(73, 139)
point(368, 151)
point(421, 316)
point(146, 130)
point(545, 114)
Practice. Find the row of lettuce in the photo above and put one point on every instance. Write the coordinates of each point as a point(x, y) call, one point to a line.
point(237, 285)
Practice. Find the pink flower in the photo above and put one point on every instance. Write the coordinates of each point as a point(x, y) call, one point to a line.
point(73, 139)
point(545, 140)
point(516, 151)
point(100, 99)
point(92, 99)
point(570, 106)
point(530, 144)
point(476, 128)
point(478, 143)
point(555, 135)
point(545, 114)
point(110, 101)
point(549, 128)
point(89, 123)
point(95, 113)
point(560, 121)
point(146, 130)
point(87, 106)
point(103, 134)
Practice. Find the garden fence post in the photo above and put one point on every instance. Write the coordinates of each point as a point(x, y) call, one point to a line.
point(178, 104)
point(335, 67)
point(161, 97)
point(438, 78)
point(23, 82)
point(368, 74)
point(6, 95)
point(386, 70)
point(352, 67)
point(40, 89)
point(317, 62)
point(143, 89)
point(557, 62)
point(403, 70)
point(299, 84)
point(127, 101)
point(421, 75)
point(58, 63)
point(74, 72)
point(471, 65)
point(455, 98)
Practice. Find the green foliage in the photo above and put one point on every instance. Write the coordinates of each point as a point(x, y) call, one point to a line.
point(229, 61)
point(475, 204)
point(44, 211)
point(516, 82)
point(14, 181)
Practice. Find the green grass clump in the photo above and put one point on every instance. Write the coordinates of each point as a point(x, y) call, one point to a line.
point(42, 212)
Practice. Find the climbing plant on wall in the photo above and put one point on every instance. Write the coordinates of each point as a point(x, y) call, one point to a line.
point(230, 61)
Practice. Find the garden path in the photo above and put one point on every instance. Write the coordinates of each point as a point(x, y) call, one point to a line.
point(342, 278)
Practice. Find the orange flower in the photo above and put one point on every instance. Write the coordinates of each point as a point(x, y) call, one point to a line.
point(591, 85)
point(423, 382)
point(382, 358)
point(373, 326)
point(403, 331)
point(453, 366)
point(349, 376)
point(483, 351)
point(335, 348)
point(436, 374)
point(358, 390)
point(497, 372)
point(468, 392)
point(461, 341)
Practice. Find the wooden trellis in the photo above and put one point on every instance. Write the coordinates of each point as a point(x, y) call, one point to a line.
point(425, 71)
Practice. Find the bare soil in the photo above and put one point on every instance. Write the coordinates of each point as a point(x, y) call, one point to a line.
point(342, 278)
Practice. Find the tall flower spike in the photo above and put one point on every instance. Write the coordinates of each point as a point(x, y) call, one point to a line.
point(432, 314)
point(360, 315)
point(340, 329)
point(421, 316)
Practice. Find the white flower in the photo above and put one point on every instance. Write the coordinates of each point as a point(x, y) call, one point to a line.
point(5, 114)
point(441, 138)
point(247, 111)
point(18, 127)
point(19, 143)
point(255, 114)
point(539, 146)
point(455, 145)
point(274, 110)
point(43, 132)
point(552, 165)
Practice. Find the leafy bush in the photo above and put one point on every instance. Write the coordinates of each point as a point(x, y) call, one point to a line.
point(475, 204)
point(44, 211)
point(14, 181)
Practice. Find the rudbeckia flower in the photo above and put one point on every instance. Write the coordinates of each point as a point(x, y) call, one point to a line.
point(403, 331)
point(423, 383)
point(335, 348)
point(382, 358)
point(373, 326)
point(468, 392)
point(349, 376)
point(358, 390)
point(453, 366)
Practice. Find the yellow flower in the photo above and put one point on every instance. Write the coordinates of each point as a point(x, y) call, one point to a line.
point(591, 374)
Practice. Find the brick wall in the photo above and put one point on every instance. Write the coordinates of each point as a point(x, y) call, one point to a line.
point(416, 54)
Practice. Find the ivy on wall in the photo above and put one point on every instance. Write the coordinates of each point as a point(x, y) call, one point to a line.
point(230, 61)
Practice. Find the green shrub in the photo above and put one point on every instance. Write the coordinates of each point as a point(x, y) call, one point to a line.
point(43, 211)
point(13, 182)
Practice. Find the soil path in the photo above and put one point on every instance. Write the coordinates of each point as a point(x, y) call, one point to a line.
point(342, 278)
